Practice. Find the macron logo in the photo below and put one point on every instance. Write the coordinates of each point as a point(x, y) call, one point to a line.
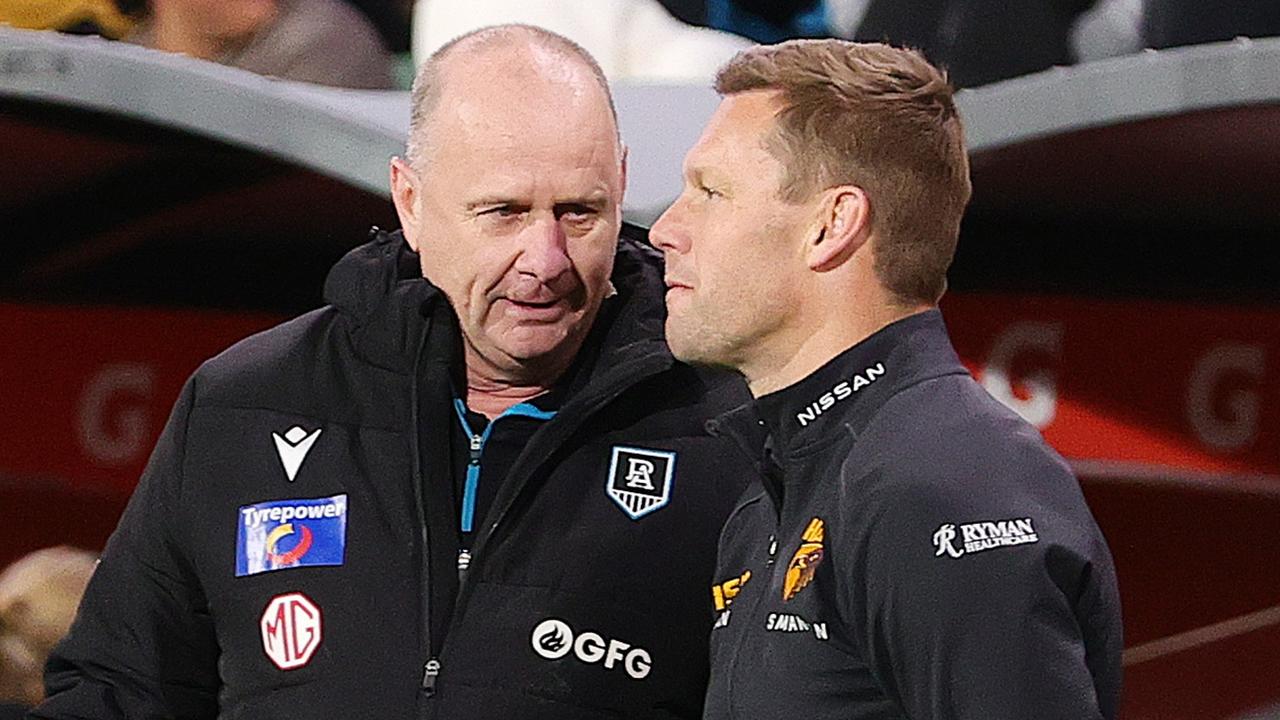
point(841, 391)
point(293, 448)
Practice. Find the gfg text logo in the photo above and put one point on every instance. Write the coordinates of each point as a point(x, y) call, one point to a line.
point(554, 639)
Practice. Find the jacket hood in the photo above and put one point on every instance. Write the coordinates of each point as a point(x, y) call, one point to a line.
point(379, 290)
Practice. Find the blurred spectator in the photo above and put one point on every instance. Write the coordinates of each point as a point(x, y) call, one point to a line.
point(1189, 22)
point(80, 17)
point(979, 41)
point(391, 18)
point(317, 41)
point(769, 21)
point(39, 595)
point(693, 12)
point(844, 16)
point(631, 39)
point(1111, 28)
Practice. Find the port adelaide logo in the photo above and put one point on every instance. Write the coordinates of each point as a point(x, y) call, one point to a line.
point(640, 480)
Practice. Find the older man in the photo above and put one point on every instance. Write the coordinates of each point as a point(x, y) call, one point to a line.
point(483, 494)
point(915, 549)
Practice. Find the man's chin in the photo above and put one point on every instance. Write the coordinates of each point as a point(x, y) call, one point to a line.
point(535, 346)
point(690, 347)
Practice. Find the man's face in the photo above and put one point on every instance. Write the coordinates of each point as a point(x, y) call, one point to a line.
point(519, 193)
point(731, 244)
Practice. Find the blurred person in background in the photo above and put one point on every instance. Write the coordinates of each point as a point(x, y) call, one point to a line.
point(77, 17)
point(38, 598)
point(1109, 29)
point(977, 41)
point(770, 21)
point(327, 42)
point(474, 486)
point(631, 39)
point(916, 549)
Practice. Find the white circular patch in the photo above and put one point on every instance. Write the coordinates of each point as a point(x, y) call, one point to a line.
point(552, 639)
point(291, 630)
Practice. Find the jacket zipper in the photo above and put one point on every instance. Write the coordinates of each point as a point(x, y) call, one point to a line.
point(476, 449)
point(717, 428)
point(476, 444)
point(523, 470)
point(432, 667)
point(754, 615)
point(429, 674)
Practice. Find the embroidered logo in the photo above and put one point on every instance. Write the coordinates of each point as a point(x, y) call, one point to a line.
point(842, 391)
point(554, 639)
point(724, 593)
point(789, 623)
point(979, 536)
point(640, 480)
point(806, 560)
point(291, 630)
point(293, 448)
point(282, 534)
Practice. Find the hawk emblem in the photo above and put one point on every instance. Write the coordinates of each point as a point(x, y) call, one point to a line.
point(806, 560)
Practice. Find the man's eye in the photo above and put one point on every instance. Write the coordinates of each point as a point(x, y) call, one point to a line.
point(577, 213)
point(503, 211)
point(709, 192)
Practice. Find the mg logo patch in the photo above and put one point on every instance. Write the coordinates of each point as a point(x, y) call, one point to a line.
point(640, 480)
point(291, 630)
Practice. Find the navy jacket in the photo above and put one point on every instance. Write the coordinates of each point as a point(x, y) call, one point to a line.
point(915, 551)
point(292, 549)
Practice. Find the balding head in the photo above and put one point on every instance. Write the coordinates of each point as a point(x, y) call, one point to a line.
point(512, 197)
point(507, 66)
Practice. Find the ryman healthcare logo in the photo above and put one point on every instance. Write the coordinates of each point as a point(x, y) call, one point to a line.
point(842, 391)
point(280, 534)
point(979, 536)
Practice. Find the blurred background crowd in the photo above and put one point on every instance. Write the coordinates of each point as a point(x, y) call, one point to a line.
point(373, 43)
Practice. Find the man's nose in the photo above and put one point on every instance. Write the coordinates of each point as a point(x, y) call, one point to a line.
point(545, 250)
point(668, 233)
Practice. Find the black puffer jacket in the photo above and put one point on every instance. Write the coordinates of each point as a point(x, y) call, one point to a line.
point(290, 552)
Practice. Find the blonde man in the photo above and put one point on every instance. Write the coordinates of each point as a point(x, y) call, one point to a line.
point(915, 550)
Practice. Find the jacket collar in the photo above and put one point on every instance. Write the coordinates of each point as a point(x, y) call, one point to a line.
point(379, 289)
point(844, 393)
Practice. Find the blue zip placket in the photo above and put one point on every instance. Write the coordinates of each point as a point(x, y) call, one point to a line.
point(477, 441)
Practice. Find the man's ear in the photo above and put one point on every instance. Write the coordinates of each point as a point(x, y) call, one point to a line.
point(844, 224)
point(404, 194)
point(622, 191)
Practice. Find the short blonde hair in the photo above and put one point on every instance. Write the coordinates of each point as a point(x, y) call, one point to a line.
point(880, 118)
point(39, 595)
